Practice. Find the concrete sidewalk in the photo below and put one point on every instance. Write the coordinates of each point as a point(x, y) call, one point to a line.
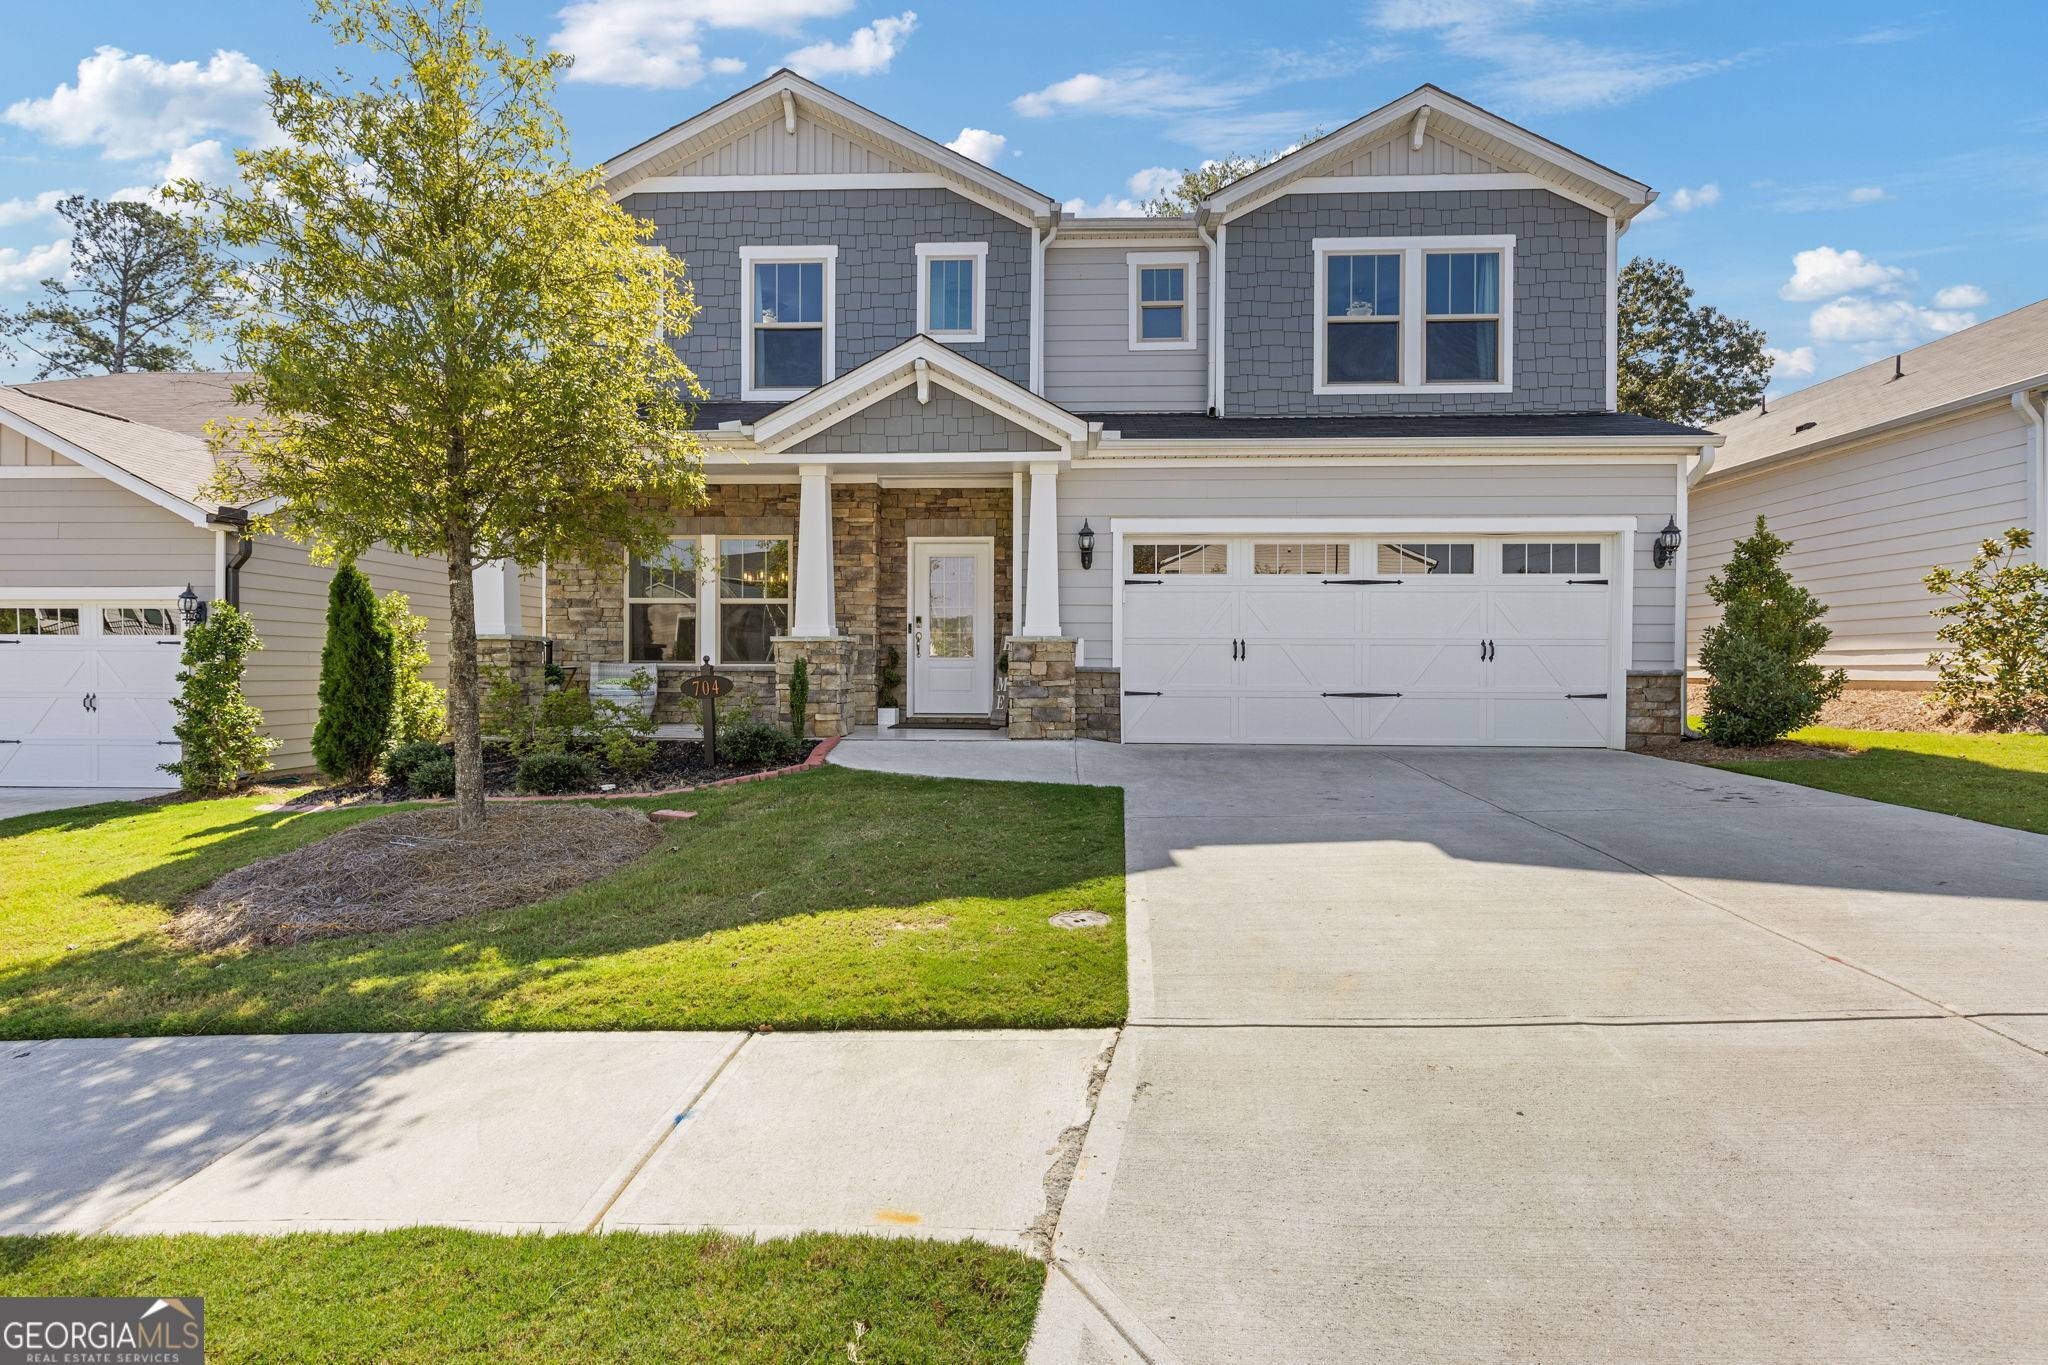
point(945, 1135)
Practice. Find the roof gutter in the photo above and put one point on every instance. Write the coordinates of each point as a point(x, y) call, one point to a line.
point(1699, 471)
point(2030, 405)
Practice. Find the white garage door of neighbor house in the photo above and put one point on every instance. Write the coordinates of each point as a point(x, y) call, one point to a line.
point(1415, 639)
point(85, 694)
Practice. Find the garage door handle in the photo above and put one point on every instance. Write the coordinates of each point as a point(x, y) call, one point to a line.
point(1361, 694)
point(172, 742)
point(1143, 582)
point(1362, 582)
point(1585, 582)
point(9, 741)
point(1144, 694)
point(1585, 696)
point(174, 643)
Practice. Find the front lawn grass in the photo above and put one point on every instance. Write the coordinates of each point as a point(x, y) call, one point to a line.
point(431, 1294)
point(826, 899)
point(1999, 779)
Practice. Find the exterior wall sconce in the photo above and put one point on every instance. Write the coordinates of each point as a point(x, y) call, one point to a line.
point(1087, 538)
point(1668, 541)
point(190, 609)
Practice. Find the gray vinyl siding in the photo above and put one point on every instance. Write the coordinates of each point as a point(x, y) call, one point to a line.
point(1866, 526)
point(875, 285)
point(1560, 299)
point(946, 423)
point(1647, 492)
point(285, 595)
point(89, 533)
point(1089, 363)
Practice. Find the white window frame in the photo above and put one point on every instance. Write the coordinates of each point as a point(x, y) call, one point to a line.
point(977, 252)
point(827, 256)
point(1184, 261)
point(710, 600)
point(1414, 310)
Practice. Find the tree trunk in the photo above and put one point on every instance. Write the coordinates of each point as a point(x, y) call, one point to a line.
point(464, 721)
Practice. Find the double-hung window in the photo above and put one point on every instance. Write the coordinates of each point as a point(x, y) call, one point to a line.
point(786, 317)
point(952, 287)
point(1162, 293)
point(742, 582)
point(1413, 314)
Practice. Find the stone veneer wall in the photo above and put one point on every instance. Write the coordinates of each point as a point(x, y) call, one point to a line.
point(829, 708)
point(523, 657)
point(1041, 688)
point(1656, 709)
point(872, 527)
point(1099, 704)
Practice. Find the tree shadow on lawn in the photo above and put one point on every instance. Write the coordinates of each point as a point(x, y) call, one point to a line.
point(2015, 797)
point(926, 905)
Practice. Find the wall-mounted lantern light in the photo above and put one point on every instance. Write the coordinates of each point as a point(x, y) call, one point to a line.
point(190, 608)
point(1087, 544)
point(1668, 541)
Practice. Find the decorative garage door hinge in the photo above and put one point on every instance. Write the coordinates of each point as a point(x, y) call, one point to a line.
point(1129, 693)
point(1362, 582)
point(1585, 696)
point(1361, 694)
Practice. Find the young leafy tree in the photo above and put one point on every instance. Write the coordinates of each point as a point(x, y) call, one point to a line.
point(1197, 183)
point(138, 286)
point(418, 710)
point(458, 339)
point(1995, 624)
point(1682, 362)
point(221, 732)
point(355, 680)
point(1759, 655)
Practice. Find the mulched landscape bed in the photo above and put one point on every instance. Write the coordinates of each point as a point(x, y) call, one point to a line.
point(1703, 751)
point(1870, 708)
point(411, 868)
point(677, 763)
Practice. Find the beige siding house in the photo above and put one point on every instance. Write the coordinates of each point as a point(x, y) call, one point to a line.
point(104, 521)
point(1879, 475)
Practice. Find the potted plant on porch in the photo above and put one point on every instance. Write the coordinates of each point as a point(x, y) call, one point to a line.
point(889, 678)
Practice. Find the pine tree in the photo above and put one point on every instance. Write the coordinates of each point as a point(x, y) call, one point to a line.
point(1760, 654)
point(355, 681)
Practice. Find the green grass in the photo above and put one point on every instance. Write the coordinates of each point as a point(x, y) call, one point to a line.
point(827, 899)
point(1999, 779)
point(430, 1294)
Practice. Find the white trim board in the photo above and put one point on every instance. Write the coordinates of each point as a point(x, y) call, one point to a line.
point(48, 471)
point(105, 468)
point(45, 597)
point(1422, 184)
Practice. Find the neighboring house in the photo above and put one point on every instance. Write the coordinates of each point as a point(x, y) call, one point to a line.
point(104, 521)
point(1880, 475)
point(1334, 460)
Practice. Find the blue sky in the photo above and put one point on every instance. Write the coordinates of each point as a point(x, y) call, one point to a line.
point(1853, 177)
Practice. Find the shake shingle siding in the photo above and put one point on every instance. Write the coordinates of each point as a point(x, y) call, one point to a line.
point(1560, 299)
point(877, 232)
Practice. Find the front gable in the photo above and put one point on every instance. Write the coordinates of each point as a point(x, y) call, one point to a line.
point(945, 423)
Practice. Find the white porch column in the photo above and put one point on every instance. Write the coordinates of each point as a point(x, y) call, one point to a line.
point(1042, 588)
point(815, 617)
point(497, 597)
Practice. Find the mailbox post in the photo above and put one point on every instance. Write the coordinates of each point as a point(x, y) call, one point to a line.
point(708, 687)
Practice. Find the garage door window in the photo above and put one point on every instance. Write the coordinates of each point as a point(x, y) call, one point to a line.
point(1181, 558)
point(1317, 558)
point(38, 620)
point(1548, 557)
point(1433, 557)
point(137, 621)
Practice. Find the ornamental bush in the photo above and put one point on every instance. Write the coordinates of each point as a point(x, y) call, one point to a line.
point(799, 695)
point(419, 710)
point(547, 774)
point(747, 740)
point(1759, 655)
point(221, 732)
point(407, 758)
point(1995, 624)
point(435, 777)
point(355, 681)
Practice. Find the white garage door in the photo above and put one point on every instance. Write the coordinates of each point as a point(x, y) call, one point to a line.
point(1425, 639)
point(85, 694)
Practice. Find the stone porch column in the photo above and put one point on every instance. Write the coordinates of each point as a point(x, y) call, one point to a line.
point(815, 617)
point(814, 625)
point(1042, 583)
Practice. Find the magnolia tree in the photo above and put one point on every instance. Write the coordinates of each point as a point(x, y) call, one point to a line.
point(459, 343)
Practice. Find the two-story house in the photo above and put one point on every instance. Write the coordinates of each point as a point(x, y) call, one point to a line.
point(1335, 459)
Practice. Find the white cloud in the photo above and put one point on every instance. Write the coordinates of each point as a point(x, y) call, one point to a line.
point(21, 269)
point(1894, 322)
point(134, 105)
point(1961, 296)
point(1797, 363)
point(656, 44)
point(979, 144)
point(14, 212)
point(1109, 206)
point(1534, 71)
point(1868, 194)
point(1681, 200)
point(1202, 108)
point(1135, 91)
point(1152, 180)
point(1824, 271)
point(867, 52)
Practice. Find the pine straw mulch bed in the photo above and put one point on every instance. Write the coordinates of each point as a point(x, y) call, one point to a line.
point(1704, 751)
point(412, 868)
point(1873, 708)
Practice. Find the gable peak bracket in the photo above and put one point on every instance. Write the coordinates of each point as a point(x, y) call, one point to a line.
point(788, 112)
point(923, 371)
point(1416, 129)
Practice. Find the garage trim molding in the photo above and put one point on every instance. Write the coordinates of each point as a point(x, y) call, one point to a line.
point(64, 596)
point(1622, 607)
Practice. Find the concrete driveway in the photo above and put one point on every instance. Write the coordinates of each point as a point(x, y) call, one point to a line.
point(1512, 1055)
point(36, 800)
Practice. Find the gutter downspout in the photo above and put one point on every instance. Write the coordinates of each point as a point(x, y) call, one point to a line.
point(1038, 249)
point(2037, 470)
point(1685, 482)
point(228, 575)
point(1215, 245)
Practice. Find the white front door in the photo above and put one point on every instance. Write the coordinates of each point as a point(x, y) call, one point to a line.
point(1428, 639)
point(952, 628)
point(85, 694)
